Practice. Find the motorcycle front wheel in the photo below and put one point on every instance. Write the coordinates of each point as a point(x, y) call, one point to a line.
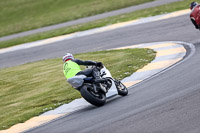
point(121, 88)
point(97, 99)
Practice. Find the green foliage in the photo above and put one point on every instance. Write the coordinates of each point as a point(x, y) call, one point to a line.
point(21, 15)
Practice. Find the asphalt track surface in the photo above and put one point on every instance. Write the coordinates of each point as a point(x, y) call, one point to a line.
point(166, 103)
point(174, 29)
point(89, 19)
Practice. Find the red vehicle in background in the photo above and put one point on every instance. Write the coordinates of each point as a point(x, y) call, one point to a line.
point(195, 14)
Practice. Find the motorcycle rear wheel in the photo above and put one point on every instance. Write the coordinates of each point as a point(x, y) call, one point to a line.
point(97, 99)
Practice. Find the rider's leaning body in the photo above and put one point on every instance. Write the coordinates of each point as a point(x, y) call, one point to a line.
point(71, 68)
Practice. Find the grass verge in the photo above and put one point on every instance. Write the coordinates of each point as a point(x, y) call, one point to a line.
point(31, 89)
point(22, 15)
point(99, 23)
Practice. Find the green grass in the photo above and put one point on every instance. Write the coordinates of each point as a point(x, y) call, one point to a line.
point(22, 15)
point(31, 89)
point(99, 23)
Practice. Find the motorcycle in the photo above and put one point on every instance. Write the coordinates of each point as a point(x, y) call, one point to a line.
point(195, 16)
point(95, 93)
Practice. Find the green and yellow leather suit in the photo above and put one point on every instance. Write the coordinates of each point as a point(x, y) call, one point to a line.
point(71, 67)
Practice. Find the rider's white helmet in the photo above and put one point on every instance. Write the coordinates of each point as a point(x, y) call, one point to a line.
point(68, 56)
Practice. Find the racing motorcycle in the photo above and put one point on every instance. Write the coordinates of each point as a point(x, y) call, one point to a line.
point(95, 93)
point(195, 16)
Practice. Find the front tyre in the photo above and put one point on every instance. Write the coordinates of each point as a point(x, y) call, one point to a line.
point(121, 88)
point(97, 99)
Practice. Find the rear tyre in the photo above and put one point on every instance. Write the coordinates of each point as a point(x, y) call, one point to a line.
point(91, 97)
point(121, 88)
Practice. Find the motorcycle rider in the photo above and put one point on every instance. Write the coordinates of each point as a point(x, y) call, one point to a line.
point(194, 6)
point(71, 68)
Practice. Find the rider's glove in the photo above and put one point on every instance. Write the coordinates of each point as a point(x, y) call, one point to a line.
point(99, 64)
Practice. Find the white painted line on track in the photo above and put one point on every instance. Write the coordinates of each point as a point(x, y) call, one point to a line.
point(135, 79)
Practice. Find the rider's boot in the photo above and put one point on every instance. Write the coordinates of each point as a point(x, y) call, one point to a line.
point(97, 77)
point(98, 80)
